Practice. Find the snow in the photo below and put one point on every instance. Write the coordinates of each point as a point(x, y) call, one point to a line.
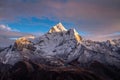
point(67, 45)
point(58, 28)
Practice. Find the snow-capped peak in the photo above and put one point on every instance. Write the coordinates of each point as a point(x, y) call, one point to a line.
point(57, 28)
point(60, 28)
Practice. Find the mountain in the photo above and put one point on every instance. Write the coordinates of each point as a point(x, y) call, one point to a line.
point(60, 49)
point(65, 44)
point(69, 46)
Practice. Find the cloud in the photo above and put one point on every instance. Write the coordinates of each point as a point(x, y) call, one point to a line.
point(112, 36)
point(11, 34)
point(61, 9)
point(6, 28)
point(5, 42)
point(100, 17)
point(37, 34)
point(6, 33)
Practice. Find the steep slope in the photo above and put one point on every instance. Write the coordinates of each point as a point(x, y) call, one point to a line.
point(58, 41)
point(63, 44)
point(103, 52)
point(20, 50)
point(69, 46)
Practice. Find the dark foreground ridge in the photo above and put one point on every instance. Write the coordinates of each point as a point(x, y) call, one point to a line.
point(27, 70)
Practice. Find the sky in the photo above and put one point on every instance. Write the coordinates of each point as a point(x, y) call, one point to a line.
point(93, 19)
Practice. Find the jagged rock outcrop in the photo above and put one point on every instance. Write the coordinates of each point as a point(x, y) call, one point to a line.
point(22, 43)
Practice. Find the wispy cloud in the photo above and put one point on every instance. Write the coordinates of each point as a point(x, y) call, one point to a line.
point(7, 28)
point(6, 33)
point(112, 36)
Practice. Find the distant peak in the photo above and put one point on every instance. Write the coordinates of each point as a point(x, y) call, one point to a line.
point(57, 28)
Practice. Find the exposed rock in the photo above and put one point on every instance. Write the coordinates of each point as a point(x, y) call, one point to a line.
point(23, 43)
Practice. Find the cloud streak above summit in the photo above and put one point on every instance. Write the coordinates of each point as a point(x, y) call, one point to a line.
point(96, 17)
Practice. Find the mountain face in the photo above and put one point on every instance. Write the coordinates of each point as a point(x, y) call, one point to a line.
point(63, 44)
point(22, 43)
point(58, 43)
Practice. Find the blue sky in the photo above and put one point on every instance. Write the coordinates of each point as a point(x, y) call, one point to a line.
point(93, 19)
point(34, 25)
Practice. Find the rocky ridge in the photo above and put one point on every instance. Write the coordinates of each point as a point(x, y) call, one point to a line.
point(63, 44)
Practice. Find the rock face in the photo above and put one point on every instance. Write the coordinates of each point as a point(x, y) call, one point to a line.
point(22, 43)
point(66, 45)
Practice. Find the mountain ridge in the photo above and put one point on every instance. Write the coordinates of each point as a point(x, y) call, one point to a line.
point(63, 44)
